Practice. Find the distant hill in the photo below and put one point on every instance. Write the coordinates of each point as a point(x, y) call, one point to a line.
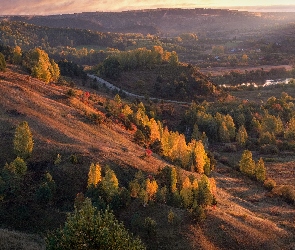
point(165, 22)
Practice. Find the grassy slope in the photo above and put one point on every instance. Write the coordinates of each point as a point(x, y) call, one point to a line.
point(246, 217)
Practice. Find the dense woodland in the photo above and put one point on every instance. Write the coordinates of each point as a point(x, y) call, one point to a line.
point(185, 120)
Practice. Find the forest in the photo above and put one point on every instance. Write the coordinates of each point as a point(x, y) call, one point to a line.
point(182, 163)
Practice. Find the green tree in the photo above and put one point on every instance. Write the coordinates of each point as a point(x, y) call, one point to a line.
point(46, 190)
point(88, 228)
point(23, 140)
point(260, 170)
point(247, 164)
point(2, 62)
point(18, 167)
point(186, 193)
point(205, 196)
point(110, 183)
point(17, 55)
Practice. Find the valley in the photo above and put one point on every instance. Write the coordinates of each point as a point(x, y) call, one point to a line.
point(136, 124)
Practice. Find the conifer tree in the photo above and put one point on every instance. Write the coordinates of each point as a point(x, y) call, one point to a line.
point(23, 140)
point(205, 196)
point(247, 164)
point(94, 175)
point(260, 170)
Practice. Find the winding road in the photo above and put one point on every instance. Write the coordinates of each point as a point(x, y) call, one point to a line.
point(113, 87)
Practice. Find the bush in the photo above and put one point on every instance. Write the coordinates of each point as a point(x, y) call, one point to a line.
point(269, 183)
point(287, 192)
point(71, 93)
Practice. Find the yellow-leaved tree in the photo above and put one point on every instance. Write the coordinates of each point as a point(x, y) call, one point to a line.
point(151, 188)
point(41, 66)
point(94, 175)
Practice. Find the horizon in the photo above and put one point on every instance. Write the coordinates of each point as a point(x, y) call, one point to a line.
point(50, 7)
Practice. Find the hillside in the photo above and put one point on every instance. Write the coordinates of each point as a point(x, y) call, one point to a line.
point(168, 22)
point(246, 217)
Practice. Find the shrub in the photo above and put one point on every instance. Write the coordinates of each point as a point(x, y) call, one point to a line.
point(287, 192)
point(269, 183)
point(71, 93)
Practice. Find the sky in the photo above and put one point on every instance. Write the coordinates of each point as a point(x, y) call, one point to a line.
point(48, 7)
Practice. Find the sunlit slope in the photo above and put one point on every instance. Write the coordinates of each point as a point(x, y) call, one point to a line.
point(57, 125)
point(246, 217)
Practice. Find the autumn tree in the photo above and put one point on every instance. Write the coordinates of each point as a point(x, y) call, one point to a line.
point(94, 175)
point(199, 156)
point(89, 228)
point(41, 66)
point(23, 140)
point(247, 164)
point(151, 188)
